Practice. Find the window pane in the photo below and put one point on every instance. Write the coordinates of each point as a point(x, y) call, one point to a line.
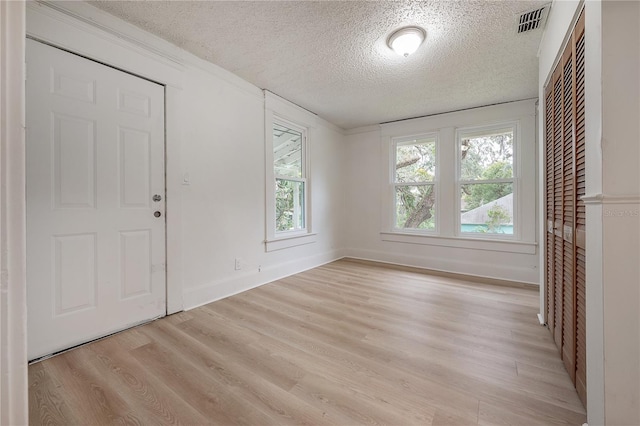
point(487, 156)
point(416, 161)
point(487, 208)
point(289, 205)
point(287, 151)
point(415, 207)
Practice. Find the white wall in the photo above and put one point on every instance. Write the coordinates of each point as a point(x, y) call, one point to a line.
point(367, 183)
point(613, 199)
point(620, 147)
point(13, 343)
point(215, 128)
point(223, 210)
point(215, 135)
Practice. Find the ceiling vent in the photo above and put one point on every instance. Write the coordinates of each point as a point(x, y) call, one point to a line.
point(533, 19)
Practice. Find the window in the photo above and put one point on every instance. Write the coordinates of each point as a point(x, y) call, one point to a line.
point(460, 180)
point(289, 170)
point(288, 130)
point(414, 183)
point(486, 180)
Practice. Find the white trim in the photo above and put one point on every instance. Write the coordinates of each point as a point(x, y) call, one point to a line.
point(91, 19)
point(279, 110)
point(107, 28)
point(509, 246)
point(519, 115)
point(211, 292)
point(611, 199)
point(68, 31)
point(394, 142)
point(475, 131)
point(453, 265)
point(290, 241)
point(321, 122)
point(478, 116)
point(13, 304)
point(173, 182)
point(364, 129)
point(479, 181)
point(289, 111)
point(304, 165)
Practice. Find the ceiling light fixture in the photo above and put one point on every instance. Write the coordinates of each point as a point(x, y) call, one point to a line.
point(406, 40)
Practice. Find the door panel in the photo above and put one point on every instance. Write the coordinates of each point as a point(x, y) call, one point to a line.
point(95, 159)
point(74, 273)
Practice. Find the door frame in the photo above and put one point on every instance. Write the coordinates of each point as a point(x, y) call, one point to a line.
point(61, 28)
point(13, 326)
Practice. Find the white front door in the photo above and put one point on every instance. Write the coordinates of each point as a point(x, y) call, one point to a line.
point(95, 200)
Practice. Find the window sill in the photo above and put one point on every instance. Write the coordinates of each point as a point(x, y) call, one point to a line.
point(288, 241)
point(508, 246)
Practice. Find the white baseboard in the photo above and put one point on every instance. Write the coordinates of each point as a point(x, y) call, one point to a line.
point(221, 289)
point(217, 290)
point(504, 271)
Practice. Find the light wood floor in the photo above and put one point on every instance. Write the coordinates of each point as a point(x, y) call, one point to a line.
point(342, 344)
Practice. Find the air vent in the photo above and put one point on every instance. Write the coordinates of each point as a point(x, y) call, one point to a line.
point(533, 19)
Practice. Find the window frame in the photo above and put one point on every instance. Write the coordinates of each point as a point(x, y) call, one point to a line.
point(281, 111)
point(302, 179)
point(476, 131)
point(406, 140)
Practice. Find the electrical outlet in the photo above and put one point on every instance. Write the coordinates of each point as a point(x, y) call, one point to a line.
point(238, 265)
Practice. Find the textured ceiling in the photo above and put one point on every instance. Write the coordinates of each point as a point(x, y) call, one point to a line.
point(331, 58)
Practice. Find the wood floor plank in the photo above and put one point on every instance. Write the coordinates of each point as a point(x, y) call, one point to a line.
point(342, 344)
point(149, 395)
point(232, 396)
point(89, 394)
point(46, 404)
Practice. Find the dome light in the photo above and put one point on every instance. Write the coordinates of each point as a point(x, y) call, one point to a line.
point(406, 40)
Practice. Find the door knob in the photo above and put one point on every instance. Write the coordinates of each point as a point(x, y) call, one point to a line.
point(157, 198)
point(157, 214)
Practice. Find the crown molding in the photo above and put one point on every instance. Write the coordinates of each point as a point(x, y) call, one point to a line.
point(363, 129)
point(90, 19)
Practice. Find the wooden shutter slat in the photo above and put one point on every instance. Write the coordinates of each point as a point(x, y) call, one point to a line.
point(549, 182)
point(581, 220)
point(557, 158)
point(568, 201)
point(551, 306)
point(568, 321)
point(581, 335)
point(558, 290)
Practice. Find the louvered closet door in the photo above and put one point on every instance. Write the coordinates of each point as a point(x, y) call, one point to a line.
point(549, 208)
point(568, 211)
point(565, 219)
point(557, 207)
point(580, 234)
